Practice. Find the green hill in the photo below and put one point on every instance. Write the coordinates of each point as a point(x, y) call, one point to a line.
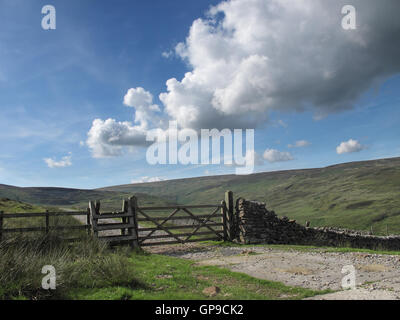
point(352, 195)
point(73, 198)
point(11, 206)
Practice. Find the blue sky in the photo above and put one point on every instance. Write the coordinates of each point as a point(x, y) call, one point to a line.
point(54, 83)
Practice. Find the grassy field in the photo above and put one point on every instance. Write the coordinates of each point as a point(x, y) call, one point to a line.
point(11, 206)
point(354, 195)
point(88, 270)
point(163, 277)
point(74, 198)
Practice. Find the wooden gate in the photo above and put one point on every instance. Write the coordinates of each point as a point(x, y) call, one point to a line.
point(128, 225)
point(150, 226)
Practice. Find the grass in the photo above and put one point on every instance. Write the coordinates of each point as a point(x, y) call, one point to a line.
point(354, 195)
point(299, 271)
point(172, 278)
point(303, 248)
point(87, 264)
point(373, 268)
point(11, 206)
point(89, 270)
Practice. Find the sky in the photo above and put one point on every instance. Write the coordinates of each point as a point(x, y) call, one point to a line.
point(77, 101)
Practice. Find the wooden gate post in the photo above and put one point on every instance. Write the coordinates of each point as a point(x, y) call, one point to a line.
point(47, 222)
point(132, 220)
point(93, 213)
point(1, 225)
point(229, 215)
point(223, 212)
point(88, 224)
point(124, 219)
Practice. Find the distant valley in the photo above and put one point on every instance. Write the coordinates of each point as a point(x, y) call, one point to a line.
point(354, 195)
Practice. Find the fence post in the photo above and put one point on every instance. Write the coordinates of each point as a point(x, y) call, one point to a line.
point(93, 217)
point(229, 215)
point(97, 207)
point(89, 225)
point(124, 219)
point(223, 212)
point(1, 225)
point(47, 222)
point(132, 219)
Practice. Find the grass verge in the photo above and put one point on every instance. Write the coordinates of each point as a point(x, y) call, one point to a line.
point(302, 248)
point(88, 270)
point(172, 278)
point(86, 264)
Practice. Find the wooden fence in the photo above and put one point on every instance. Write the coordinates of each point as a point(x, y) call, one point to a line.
point(46, 219)
point(130, 225)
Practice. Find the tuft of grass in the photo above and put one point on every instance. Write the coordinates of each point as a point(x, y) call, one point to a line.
point(303, 248)
point(85, 264)
point(373, 268)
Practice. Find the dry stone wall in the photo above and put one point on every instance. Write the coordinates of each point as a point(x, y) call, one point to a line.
point(254, 224)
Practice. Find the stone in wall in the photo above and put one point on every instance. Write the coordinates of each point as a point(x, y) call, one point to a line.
point(255, 224)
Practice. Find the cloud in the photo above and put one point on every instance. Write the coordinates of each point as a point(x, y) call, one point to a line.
point(349, 147)
point(248, 57)
point(147, 179)
point(251, 157)
point(145, 110)
point(168, 54)
point(272, 156)
point(299, 144)
point(64, 162)
point(107, 138)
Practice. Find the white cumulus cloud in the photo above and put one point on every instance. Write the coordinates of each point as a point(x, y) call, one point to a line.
point(108, 137)
point(146, 179)
point(64, 162)
point(349, 147)
point(247, 58)
point(251, 158)
point(272, 156)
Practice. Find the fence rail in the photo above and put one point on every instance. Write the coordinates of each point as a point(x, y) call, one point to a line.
point(215, 225)
point(47, 227)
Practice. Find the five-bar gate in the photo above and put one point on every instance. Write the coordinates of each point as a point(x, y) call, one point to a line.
point(149, 226)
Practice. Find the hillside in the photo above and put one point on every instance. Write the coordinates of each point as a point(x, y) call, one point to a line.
point(76, 198)
point(11, 206)
point(353, 195)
